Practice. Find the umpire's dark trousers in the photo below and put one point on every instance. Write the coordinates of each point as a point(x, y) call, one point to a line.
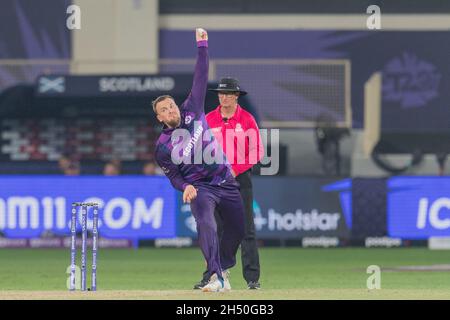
point(249, 249)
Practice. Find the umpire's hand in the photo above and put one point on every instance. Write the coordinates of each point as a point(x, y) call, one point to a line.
point(189, 194)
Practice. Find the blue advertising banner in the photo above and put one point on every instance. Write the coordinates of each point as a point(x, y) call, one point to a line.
point(418, 207)
point(135, 207)
point(131, 207)
point(294, 208)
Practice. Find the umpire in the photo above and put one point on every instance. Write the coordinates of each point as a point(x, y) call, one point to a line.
point(229, 121)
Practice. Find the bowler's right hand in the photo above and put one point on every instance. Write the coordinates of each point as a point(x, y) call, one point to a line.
point(189, 194)
point(201, 34)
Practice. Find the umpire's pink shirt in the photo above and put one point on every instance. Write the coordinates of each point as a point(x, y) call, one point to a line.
point(246, 149)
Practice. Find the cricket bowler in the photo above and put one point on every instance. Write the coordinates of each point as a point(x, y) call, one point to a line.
point(206, 186)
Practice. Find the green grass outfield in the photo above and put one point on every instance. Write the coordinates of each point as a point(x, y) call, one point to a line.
point(287, 273)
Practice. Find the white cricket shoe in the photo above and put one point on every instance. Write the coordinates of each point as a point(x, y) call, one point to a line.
point(217, 285)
